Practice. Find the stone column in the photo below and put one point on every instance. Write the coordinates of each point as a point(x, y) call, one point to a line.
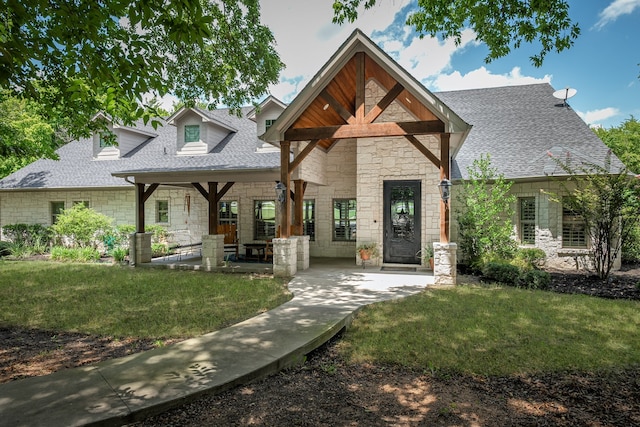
point(285, 257)
point(444, 263)
point(303, 252)
point(212, 250)
point(140, 248)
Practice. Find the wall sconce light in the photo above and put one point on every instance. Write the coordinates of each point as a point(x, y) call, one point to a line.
point(445, 190)
point(281, 191)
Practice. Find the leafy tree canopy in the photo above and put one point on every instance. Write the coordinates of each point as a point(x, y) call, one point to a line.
point(501, 24)
point(83, 56)
point(624, 141)
point(25, 134)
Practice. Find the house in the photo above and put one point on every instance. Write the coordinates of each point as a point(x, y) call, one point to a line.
point(356, 157)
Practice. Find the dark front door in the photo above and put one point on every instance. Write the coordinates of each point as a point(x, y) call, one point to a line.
point(402, 222)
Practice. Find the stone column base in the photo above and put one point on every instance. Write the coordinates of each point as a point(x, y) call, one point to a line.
point(140, 248)
point(285, 257)
point(212, 250)
point(303, 252)
point(444, 263)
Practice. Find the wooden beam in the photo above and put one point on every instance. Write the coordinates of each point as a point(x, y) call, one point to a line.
point(140, 208)
point(424, 150)
point(366, 130)
point(213, 207)
point(224, 190)
point(360, 93)
point(284, 212)
point(149, 191)
point(201, 189)
point(304, 153)
point(338, 107)
point(444, 174)
point(298, 204)
point(382, 105)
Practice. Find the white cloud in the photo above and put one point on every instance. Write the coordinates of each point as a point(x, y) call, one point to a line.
point(593, 117)
point(482, 78)
point(615, 10)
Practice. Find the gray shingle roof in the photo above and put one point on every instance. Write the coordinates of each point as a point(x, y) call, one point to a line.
point(518, 126)
point(77, 168)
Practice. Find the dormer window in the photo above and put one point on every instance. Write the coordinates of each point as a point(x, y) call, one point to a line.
point(192, 133)
point(107, 139)
point(268, 123)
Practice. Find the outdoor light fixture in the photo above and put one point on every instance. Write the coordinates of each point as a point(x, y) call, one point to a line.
point(445, 190)
point(281, 191)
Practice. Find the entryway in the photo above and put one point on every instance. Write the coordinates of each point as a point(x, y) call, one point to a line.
point(402, 222)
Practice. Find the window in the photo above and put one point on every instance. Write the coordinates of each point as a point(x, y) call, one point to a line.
point(81, 202)
point(228, 212)
point(344, 219)
point(574, 230)
point(108, 139)
point(162, 211)
point(264, 219)
point(527, 208)
point(309, 219)
point(192, 133)
point(56, 209)
point(268, 123)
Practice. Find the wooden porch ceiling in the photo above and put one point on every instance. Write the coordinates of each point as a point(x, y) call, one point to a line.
point(338, 112)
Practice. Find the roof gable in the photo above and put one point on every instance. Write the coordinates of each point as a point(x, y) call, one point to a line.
point(329, 98)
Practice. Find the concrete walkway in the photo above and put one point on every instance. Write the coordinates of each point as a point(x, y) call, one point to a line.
point(124, 390)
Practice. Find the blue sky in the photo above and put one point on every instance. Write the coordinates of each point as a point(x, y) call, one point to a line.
point(602, 65)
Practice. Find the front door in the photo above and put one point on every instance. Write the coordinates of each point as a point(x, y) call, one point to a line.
point(402, 222)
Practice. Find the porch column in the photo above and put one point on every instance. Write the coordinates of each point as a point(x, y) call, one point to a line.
point(285, 179)
point(139, 208)
point(298, 205)
point(444, 174)
point(212, 198)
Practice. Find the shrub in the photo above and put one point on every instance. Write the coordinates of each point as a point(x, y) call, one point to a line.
point(534, 279)
point(60, 253)
point(159, 249)
point(5, 248)
point(160, 233)
point(501, 271)
point(533, 257)
point(119, 253)
point(28, 234)
point(631, 246)
point(81, 226)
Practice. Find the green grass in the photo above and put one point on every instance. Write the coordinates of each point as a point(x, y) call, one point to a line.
point(497, 331)
point(125, 302)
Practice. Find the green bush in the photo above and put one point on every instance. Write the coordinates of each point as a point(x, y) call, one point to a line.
point(534, 279)
point(28, 234)
point(501, 271)
point(160, 233)
point(159, 249)
point(533, 257)
point(631, 246)
point(86, 254)
point(119, 253)
point(81, 227)
point(5, 248)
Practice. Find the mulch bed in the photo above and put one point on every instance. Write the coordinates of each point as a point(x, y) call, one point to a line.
point(326, 391)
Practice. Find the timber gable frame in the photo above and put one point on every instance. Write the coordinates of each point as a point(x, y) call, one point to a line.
point(332, 108)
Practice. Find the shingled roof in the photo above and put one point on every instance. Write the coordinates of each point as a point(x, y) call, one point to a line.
point(519, 126)
point(78, 169)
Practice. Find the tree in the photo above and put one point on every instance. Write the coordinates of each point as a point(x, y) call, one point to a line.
point(78, 58)
point(609, 204)
point(25, 135)
point(484, 215)
point(501, 24)
point(624, 141)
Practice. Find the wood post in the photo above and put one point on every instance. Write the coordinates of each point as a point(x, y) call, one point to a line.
point(213, 207)
point(444, 174)
point(140, 208)
point(285, 178)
